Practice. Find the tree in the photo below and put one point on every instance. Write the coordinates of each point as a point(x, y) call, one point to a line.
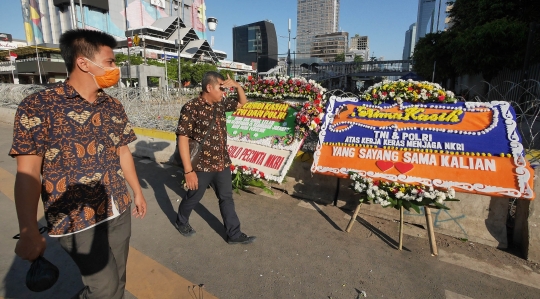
point(224, 73)
point(431, 54)
point(199, 69)
point(340, 57)
point(358, 58)
point(486, 37)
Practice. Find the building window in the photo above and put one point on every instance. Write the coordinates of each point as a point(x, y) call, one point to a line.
point(254, 39)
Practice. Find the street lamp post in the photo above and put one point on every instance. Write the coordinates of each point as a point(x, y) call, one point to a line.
point(434, 65)
point(166, 77)
point(178, 44)
point(289, 52)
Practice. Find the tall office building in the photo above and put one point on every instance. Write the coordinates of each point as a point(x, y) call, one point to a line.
point(410, 42)
point(359, 42)
point(256, 44)
point(360, 46)
point(327, 46)
point(314, 17)
point(431, 17)
point(45, 20)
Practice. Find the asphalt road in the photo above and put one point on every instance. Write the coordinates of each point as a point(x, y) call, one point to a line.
point(301, 251)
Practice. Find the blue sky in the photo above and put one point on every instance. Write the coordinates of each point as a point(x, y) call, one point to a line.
point(383, 21)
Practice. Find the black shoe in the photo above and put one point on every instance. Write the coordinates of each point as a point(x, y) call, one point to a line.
point(186, 230)
point(243, 239)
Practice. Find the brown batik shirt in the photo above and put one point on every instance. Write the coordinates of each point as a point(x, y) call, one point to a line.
point(82, 181)
point(195, 119)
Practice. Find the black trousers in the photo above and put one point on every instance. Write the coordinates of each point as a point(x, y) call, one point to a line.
point(101, 254)
point(221, 182)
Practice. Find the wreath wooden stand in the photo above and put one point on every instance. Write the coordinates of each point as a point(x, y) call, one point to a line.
point(429, 224)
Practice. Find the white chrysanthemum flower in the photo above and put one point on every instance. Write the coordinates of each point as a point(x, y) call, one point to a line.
point(441, 197)
point(399, 194)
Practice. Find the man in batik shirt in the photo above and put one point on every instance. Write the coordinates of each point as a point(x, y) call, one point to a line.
point(203, 118)
point(75, 137)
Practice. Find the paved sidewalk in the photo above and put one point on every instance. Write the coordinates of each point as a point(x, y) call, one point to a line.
point(301, 251)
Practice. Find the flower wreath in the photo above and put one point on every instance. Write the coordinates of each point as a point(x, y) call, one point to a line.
point(243, 176)
point(396, 195)
point(392, 194)
point(407, 91)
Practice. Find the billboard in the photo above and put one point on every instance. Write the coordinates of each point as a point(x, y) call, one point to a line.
point(261, 135)
point(5, 37)
point(471, 147)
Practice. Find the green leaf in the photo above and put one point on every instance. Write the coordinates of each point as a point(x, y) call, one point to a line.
point(438, 205)
point(268, 190)
point(406, 204)
point(451, 199)
point(426, 201)
point(415, 208)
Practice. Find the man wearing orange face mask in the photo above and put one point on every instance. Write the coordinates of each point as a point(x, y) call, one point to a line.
point(70, 142)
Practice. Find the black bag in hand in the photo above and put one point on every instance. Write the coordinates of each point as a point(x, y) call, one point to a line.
point(42, 275)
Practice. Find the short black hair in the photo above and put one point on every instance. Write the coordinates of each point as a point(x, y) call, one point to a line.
point(83, 42)
point(211, 77)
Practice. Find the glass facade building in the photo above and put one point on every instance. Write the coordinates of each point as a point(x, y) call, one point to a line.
point(256, 44)
point(314, 17)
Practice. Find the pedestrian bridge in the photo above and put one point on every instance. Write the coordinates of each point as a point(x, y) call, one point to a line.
point(368, 69)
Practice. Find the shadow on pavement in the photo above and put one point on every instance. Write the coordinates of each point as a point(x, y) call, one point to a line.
point(160, 180)
point(316, 207)
point(384, 237)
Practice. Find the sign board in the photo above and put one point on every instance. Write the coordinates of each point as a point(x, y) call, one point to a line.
point(136, 40)
point(7, 68)
point(471, 147)
point(129, 42)
point(261, 135)
point(7, 45)
point(158, 3)
point(6, 37)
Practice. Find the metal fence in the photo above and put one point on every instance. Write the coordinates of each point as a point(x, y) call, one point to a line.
point(524, 96)
point(160, 108)
point(154, 108)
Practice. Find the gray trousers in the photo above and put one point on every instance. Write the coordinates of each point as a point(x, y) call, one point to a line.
point(101, 254)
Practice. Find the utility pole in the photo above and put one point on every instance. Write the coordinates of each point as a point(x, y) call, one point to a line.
point(81, 8)
point(129, 55)
point(289, 52)
point(178, 44)
point(144, 47)
point(73, 15)
point(166, 78)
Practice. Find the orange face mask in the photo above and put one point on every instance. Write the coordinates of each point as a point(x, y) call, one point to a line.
point(110, 78)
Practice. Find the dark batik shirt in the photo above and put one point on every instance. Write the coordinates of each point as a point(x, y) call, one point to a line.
point(82, 181)
point(195, 119)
